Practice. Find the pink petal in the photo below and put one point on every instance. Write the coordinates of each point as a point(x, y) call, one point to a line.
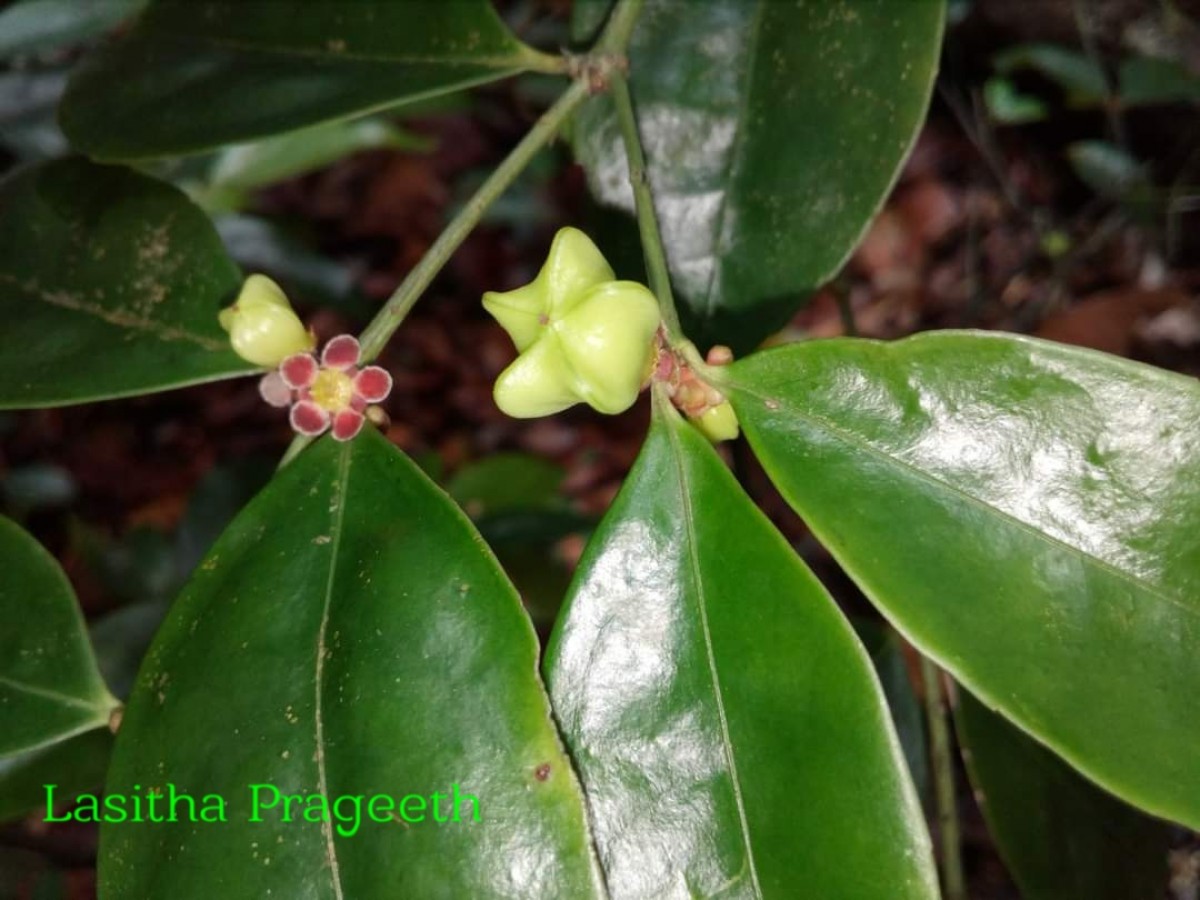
point(299, 370)
point(373, 384)
point(274, 390)
point(341, 352)
point(308, 418)
point(346, 424)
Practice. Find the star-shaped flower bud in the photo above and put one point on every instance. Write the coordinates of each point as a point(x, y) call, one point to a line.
point(582, 335)
point(262, 327)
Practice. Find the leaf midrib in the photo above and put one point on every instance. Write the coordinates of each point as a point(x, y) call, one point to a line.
point(49, 694)
point(114, 317)
point(854, 441)
point(701, 602)
point(338, 496)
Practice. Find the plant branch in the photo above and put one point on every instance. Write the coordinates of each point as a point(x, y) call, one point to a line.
point(375, 336)
point(613, 42)
point(385, 323)
point(619, 30)
point(953, 882)
point(647, 218)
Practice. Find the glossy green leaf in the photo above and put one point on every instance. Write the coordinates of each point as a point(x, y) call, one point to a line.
point(110, 284)
point(37, 26)
point(1061, 836)
point(72, 766)
point(193, 75)
point(730, 733)
point(773, 132)
point(886, 649)
point(50, 688)
point(1026, 514)
point(240, 169)
point(348, 635)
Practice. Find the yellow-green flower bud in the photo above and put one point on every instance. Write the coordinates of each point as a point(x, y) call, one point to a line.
point(718, 423)
point(262, 327)
point(583, 337)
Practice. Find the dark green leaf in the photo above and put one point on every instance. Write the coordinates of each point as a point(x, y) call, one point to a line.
point(1106, 168)
point(120, 640)
point(218, 497)
point(506, 482)
point(110, 284)
point(1026, 514)
point(349, 634)
point(1008, 106)
point(773, 132)
point(72, 766)
point(887, 653)
point(1062, 837)
point(191, 76)
point(249, 166)
point(35, 26)
point(50, 688)
point(1074, 72)
point(731, 736)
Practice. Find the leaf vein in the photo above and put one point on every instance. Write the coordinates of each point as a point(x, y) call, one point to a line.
point(854, 441)
point(64, 300)
point(47, 693)
point(701, 602)
point(336, 527)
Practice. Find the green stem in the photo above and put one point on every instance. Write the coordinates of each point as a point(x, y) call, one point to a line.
point(619, 30)
point(614, 41)
point(385, 323)
point(953, 882)
point(647, 218)
point(375, 336)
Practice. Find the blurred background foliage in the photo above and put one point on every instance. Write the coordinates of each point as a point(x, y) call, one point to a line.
point(1054, 191)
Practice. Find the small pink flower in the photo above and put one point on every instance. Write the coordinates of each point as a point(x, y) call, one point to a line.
point(333, 392)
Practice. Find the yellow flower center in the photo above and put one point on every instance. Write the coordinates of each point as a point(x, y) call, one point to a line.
point(332, 390)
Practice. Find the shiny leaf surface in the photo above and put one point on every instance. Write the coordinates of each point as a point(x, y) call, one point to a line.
point(50, 688)
point(1062, 837)
point(730, 733)
point(1026, 514)
point(773, 131)
point(194, 75)
point(348, 635)
point(110, 284)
